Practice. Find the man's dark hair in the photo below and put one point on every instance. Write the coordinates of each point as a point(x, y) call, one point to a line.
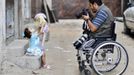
point(27, 33)
point(99, 2)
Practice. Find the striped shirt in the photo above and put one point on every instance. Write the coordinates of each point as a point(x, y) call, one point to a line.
point(100, 18)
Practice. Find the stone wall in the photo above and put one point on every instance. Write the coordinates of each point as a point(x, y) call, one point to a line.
point(68, 8)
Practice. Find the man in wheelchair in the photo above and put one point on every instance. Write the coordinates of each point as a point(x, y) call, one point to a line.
point(96, 47)
point(96, 29)
point(100, 27)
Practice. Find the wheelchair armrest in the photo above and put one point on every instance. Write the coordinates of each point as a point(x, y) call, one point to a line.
point(106, 38)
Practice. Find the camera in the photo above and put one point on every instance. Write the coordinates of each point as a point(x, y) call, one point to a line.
point(77, 44)
point(82, 12)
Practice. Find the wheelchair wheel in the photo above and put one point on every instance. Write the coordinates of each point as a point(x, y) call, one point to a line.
point(109, 58)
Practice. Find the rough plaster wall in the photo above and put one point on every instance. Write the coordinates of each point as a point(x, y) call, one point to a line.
point(114, 5)
point(9, 12)
point(26, 9)
point(68, 8)
point(36, 6)
point(2, 31)
point(9, 18)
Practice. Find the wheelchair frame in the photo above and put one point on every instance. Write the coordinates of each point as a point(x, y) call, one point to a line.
point(87, 57)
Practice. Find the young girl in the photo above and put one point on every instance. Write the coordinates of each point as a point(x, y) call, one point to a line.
point(34, 43)
point(35, 46)
point(42, 30)
point(40, 22)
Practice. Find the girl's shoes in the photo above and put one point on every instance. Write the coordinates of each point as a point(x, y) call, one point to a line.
point(46, 66)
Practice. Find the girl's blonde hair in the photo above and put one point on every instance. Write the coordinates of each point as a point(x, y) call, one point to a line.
point(39, 21)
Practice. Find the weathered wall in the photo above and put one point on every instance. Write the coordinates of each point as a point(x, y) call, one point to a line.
point(9, 18)
point(36, 6)
point(2, 30)
point(114, 5)
point(68, 8)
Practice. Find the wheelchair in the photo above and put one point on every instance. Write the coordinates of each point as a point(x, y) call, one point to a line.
point(103, 55)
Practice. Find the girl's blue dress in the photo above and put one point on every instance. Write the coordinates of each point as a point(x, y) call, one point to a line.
point(34, 46)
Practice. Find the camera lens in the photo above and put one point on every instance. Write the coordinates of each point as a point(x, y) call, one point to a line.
point(80, 41)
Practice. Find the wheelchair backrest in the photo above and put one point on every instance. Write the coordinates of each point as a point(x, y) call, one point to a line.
point(113, 34)
point(112, 37)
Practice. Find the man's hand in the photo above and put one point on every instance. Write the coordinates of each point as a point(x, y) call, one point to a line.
point(85, 17)
point(92, 27)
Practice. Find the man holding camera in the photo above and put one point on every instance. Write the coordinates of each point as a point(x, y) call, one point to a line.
point(100, 24)
point(95, 26)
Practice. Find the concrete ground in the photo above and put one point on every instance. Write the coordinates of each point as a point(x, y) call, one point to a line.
point(61, 55)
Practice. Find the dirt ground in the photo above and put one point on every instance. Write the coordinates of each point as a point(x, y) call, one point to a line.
point(61, 55)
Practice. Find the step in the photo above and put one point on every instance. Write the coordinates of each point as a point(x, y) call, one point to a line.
point(17, 48)
point(16, 54)
point(9, 68)
point(28, 62)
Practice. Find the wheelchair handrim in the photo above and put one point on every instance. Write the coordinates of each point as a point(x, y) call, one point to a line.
point(107, 43)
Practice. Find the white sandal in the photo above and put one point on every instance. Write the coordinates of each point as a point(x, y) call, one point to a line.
point(46, 66)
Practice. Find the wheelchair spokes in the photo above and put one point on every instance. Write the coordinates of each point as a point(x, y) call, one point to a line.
point(109, 57)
